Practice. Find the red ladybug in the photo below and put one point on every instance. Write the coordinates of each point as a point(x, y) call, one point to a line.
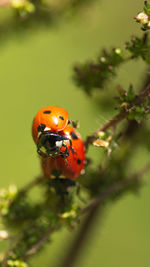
point(47, 125)
point(59, 145)
point(51, 118)
point(70, 166)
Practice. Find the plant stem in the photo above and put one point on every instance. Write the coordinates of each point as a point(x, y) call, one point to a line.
point(40, 242)
point(75, 249)
point(119, 117)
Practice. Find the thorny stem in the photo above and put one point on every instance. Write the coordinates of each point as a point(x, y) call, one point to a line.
point(119, 117)
point(133, 124)
point(92, 210)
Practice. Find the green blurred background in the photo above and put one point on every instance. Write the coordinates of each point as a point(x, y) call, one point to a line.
point(35, 71)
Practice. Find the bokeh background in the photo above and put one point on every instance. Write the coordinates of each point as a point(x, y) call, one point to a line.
point(35, 71)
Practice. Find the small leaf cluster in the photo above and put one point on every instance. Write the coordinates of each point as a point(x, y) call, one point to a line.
point(33, 221)
point(137, 113)
point(139, 47)
point(94, 74)
point(126, 100)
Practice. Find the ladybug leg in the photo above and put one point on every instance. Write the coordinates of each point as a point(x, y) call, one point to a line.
point(75, 124)
point(65, 160)
point(64, 157)
point(41, 154)
point(72, 147)
point(63, 144)
point(65, 153)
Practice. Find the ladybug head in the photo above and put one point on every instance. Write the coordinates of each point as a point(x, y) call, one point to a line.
point(50, 143)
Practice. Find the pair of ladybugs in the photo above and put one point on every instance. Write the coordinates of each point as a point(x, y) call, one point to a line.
point(59, 145)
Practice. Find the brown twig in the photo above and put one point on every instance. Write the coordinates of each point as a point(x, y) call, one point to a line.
point(119, 117)
point(40, 242)
point(77, 245)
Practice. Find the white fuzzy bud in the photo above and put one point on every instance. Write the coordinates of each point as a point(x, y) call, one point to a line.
point(142, 17)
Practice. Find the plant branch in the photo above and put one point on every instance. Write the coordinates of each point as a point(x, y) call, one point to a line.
point(40, 242)
point(78, 243)
point(116, 188)
point(93, 210)
point(35, 248)
point(119, 117)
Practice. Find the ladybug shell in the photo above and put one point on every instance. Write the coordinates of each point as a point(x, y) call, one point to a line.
point(73, 167)
point(53, 117)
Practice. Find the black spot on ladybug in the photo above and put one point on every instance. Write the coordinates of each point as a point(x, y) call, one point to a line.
point(78, 161)
point(41, 127)
point(74, 136)
point(47, 112)
point(62, 118)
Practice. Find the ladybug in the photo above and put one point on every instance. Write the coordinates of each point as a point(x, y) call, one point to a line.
point(70, 166)
point(59, 145)
point(47, 125)
point(50, 118)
